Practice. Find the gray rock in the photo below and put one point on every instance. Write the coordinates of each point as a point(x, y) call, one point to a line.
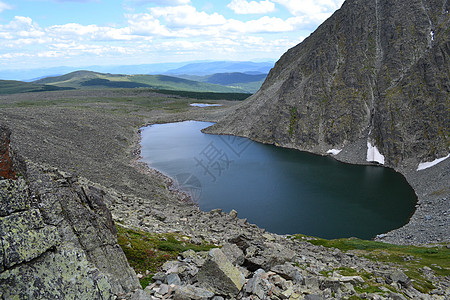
point(288, 272)
point(173, 279)
point(14, 195)
point(159, 276)
point(271, 255)
point(233, 253)
point(259, 285)
point(159, 215)
point(25, 237)
point(400, 277)
point(395, 296)
point(140, 295)
point(58, 240)
point(220, 276)
point(314, 297)
point(191, 292)
point(164, 288)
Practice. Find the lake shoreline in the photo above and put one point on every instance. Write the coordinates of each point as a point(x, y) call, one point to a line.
point(101, 143)
point(307, 185)
point(430, 222)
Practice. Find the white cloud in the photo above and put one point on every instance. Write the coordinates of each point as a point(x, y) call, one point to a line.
point(21, 27)
point(310, 7)
point(186, 15)
point(164, 32)
point(261, 25)
point(4, 6)
point(146, 25)
point(252, 7)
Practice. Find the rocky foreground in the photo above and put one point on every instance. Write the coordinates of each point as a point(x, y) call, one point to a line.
point(58, 238)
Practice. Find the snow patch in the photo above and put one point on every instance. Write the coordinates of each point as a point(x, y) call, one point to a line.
point(426, 165)
point(334, 151)
point(204, 104)
point(373, 155)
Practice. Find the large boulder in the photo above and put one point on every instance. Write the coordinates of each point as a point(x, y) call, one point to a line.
point(220, 276)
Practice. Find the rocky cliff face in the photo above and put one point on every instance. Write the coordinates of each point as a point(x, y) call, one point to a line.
point(376, 71)
point(57, 238)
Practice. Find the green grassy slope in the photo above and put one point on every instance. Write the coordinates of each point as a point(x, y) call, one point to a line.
point(92, 80)
point(13, 87)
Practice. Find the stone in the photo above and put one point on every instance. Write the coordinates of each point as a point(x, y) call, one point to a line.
point(140, 295)
point(220, 276)
point(159, 276)
point(25, 237)
point(259, 284)
point(191, 292)
point(233, 253)
point(398, 276)
point(164, 288)
point(13, 196)
point(288, 272)
point(233, 214)
point(271, 255)
point(56, 275)
point(173, 279)
point(159, 215)
point(395, 296)
point(314, 297)
point(58, 239)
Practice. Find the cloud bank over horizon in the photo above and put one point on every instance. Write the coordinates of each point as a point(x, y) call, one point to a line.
point(43, 33)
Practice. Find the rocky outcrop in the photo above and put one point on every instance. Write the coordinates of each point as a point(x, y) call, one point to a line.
point(376, 72)
point(57, 238)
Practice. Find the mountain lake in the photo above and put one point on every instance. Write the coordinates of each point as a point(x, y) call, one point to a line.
point(283, 190)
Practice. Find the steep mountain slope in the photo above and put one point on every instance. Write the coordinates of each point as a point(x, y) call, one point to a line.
point(376, 74)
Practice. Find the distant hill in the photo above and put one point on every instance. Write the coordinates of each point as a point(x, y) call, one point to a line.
point(248, 82)
point(208, 68)
point(90, 80)
point(13, 87)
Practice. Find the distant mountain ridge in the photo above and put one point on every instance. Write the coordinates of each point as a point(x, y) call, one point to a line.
point(208, 68)
point(151, 69)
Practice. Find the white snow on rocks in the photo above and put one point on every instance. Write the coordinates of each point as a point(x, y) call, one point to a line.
point(334, 151)
point(204, 104)
point(426, 165)
point(373, 155)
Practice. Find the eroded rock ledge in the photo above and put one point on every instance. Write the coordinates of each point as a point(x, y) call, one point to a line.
point(57, 237)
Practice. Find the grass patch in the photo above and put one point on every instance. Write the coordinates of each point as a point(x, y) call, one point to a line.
point(411, 259)
point(147, 252)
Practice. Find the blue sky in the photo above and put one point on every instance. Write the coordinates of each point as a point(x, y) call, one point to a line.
point(48, 33)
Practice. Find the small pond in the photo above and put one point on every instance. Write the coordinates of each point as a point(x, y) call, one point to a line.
point(282, 190)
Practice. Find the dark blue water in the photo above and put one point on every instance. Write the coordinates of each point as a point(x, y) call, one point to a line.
point(282, 190)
